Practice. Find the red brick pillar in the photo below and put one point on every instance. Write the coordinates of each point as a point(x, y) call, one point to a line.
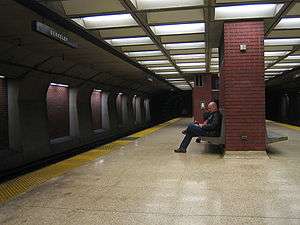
point(243, 87)
point(201, 94)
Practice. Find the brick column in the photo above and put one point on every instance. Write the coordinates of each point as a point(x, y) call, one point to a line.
point(201, 94)
point(243, 88)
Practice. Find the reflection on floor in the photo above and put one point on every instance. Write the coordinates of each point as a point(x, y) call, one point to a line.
point(145, 182)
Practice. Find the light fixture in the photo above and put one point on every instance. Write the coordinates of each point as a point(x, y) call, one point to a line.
point(129, 41)
point(278, 69)
point(175, 79)
point(187, 45)
point(106, 21)
point(188, 56)
point(162, 68)
point(293, 57)
point(194, 70)
point(214, 59)
point(273, 73)
point(191, 64)
point(286, 64)
point(247, 11)
point(282, 41)
point(288, 23)
point(214, 66)
point(166, 73)
point(154, 62)
point(189, 28)
point(2, 77)
point(143, 53)
point(97, 90)
point(276, 54)
point(159, 4)
point(59, 85)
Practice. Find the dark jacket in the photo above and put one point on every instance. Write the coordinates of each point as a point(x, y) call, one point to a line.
point(214, 123)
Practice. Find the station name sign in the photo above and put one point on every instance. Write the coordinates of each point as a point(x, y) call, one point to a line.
point(53, 34)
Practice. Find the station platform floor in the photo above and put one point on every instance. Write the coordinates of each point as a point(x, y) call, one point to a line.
point(140, 180)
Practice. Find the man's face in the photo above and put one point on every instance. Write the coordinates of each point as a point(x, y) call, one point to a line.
point(209, 108)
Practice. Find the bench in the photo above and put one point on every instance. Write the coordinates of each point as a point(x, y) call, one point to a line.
point(272, 137)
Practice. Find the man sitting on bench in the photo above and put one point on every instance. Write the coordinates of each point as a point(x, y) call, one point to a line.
point(211, 128)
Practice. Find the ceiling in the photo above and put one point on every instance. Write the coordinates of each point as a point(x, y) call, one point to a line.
point(173, 39)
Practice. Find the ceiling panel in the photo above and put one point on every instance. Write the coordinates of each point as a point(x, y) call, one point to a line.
point(73, 7)
point(122, 32)
point(175, 16)
point(182, 38)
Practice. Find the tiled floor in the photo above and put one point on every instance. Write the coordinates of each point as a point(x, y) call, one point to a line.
point(145, 182)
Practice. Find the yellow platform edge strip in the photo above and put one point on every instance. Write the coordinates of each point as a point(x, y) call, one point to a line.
point(24, 183)
point(292, 127)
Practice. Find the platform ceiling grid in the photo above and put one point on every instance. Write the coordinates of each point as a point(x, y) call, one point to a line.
point(174, 38)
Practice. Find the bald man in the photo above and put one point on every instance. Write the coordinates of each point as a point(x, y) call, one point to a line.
point(211, 128)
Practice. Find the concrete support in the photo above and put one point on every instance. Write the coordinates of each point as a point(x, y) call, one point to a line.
point(80, 112)
point(28, 129)
point(105, 112)
point(243, 87)
point(138, 105)
point(147, 110)
point(112, 111)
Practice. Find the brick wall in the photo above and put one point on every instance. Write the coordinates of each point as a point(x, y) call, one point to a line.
point(203, 93)
point(243, 87)
point(96, 110)
point(3, 115)
point(58, 111)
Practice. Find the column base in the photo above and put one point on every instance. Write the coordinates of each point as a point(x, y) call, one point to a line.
point(246, 155)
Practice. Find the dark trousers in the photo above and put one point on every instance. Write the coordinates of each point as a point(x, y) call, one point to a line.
point(192, 131)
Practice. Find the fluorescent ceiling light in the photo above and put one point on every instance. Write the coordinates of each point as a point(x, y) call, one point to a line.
point(191, 64)
point(214, 66)
point(293, 57)
point(189, 28)
point(162, 68)
point(188, 56)
point(214, 59)
point(2, 77)
point(97, 90)
point(269, 61)
point(143, 53)
point(189, 45)
point(159, 4)
point(193, 70)
point(154, 62)
point(59, 85)
point(178, 82)
point(273, 73)
point(166, 73)
point(106, 21)
point(286, 64)
point(280, 53)
point(288, 23)
point(278, 69)
point(283, 41)
point(247, 11)
point(129, 41)
point(175, 79)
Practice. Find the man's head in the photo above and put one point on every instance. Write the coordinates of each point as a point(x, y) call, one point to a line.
point(212, 107)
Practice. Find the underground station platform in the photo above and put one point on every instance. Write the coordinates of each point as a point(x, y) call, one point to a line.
point(150, 112)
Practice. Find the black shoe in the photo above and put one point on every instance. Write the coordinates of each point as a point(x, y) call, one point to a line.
point(180, 150)
point(198, 140)
point(183, 132)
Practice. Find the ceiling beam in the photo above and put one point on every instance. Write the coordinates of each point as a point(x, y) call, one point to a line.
point(141, 19)
point(282, 12)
